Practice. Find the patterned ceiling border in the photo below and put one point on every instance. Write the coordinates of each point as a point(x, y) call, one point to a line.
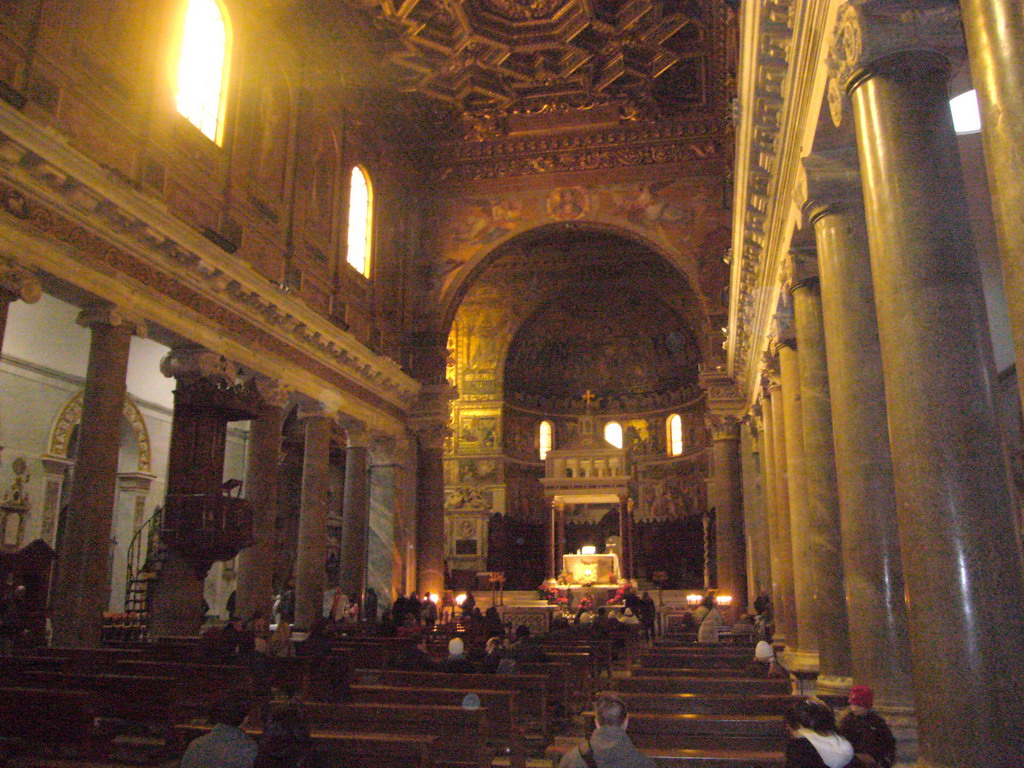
point(39, 163)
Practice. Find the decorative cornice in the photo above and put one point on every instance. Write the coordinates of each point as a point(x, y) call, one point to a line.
point(39, 165)
point(783, 44)
point(676, 143)
point(867, 32)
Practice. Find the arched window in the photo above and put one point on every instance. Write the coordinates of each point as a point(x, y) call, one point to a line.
point(546, 438)
point(359, 209)
point(674, 429)
point(203, 67)
point(613, 433)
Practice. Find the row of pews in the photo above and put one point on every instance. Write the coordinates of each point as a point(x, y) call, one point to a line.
point(707, 706)
point(142, 704)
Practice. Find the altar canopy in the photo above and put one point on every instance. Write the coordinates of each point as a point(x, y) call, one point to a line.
point(589, 470)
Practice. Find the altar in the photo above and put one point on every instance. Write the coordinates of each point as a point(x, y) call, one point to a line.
point(592, 569)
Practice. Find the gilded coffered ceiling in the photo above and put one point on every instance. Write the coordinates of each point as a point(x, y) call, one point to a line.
point(614, 59)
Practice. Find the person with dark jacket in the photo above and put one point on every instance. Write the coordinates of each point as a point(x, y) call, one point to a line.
point(608, 746)
point(457, 660)
point(526, 650)
point(813, 739)
point(873, 743)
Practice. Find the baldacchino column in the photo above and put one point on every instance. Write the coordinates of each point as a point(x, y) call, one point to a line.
point(82, 579)
point(961, 553)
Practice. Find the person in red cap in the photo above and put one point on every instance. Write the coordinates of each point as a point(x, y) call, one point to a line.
point(873, 742)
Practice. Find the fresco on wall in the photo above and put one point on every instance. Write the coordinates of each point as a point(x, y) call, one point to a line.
point(684, 216)
point(270, 145)
point(479, 471)
point(668, 490)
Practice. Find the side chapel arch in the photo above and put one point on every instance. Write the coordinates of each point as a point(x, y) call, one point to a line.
point(71, 414)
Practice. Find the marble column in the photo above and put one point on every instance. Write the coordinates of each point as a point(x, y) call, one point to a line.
point(355, 514)
point(254, 591)
point(804, 650)
point(311, 557)
point(782, 547)
point(768, 496)
point(824, 527)
point(385, 467)
point(965, 586)
point(430, 508)
point(80, 587)
point(873, 571)
point(550, 534)
point(753, 507)
point(995, 40)
point(726, 496)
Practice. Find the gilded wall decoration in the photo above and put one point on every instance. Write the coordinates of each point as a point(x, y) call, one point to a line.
point(70, 416)
point(479, 471)
point(568, 203)
point(479, 432)
point(468, 498)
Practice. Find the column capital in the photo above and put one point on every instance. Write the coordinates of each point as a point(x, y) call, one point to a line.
point(722, 392)
point(16, 282)
point(832, 183)
point(868, 31)
point(271, 391)
point(107, 314)
point(356, 433)
point(431, 411)
point(783, 325)
point(194, 361)
point(431, 434)
point(800, 269)
point(723, 426)
point(771, 371)
point(389, 450)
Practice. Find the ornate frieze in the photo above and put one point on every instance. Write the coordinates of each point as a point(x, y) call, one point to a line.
point(113, 237)
point(777, 97)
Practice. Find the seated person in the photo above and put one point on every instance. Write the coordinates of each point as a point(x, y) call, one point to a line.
point(414, 658)
point(526, 650)
point(813, 739)
point(457, 661)
point(608, 746)
point(227, 745)
point(873, 743)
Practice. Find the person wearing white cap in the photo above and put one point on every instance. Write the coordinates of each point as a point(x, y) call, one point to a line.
point(457, 661)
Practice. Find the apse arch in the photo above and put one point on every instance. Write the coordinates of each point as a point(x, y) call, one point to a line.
point(476, 266)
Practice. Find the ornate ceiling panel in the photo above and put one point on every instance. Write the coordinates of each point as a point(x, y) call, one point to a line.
point(529, 56)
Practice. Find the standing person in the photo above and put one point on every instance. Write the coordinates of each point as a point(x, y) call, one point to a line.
point(873, 743)
point(370, 606)
point(813, 739)
point(13, 614)
point(227, 745)
point(648, 615)
point(608, 746)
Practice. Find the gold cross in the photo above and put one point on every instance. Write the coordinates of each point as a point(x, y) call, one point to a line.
point(588, 397)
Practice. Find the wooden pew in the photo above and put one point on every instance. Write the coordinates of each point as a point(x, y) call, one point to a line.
point(345, 749)
point(704, 685)
point(676, 757)
point(703, 704)
point(45, 721)
point(148, 700)
point(533, 690)
point(502, 710)
point(461, 733)
point(751, 733)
